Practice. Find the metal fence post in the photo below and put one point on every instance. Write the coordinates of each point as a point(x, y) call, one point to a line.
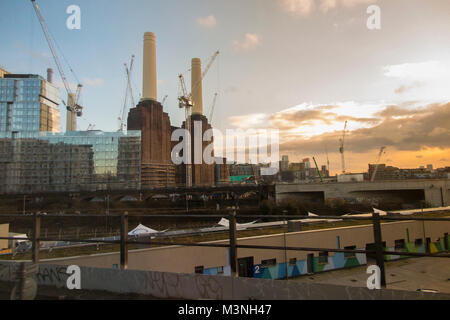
point(379, 247)
point(36, 242)
point(233, 249)
point(124, 241)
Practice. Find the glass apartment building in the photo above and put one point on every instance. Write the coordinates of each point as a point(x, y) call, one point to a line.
point(28, 103)
point(35, 162)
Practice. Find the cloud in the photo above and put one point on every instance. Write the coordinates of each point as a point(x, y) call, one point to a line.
point(96, 82)
point(209, 21)
point(298, 7)
point(306, 7)
point(427, 80)
point(416, 130)
point(405, 88)
point(417, 71)
point(250, 42)
point(44, 57)
point(403, 127)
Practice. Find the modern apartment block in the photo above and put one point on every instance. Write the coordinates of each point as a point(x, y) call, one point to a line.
point(28, 103)
point(33, 162)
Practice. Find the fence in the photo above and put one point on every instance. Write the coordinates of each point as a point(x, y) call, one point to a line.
point(379, 250)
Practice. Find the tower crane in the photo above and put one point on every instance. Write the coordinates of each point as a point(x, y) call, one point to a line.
point(186, 98)
point(211, 110)
point(72, 105)
point(372, 178)
point(341, 148)
point(185, 101)
point(128, 94)
point(164, 99)
point(317, 168)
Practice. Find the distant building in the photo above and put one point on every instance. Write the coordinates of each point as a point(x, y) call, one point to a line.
point(393, 173)
point(284, 163)
point(242, 172)
point(28, 103)
point(350, 177)
point(3, 72)
point(221, 171)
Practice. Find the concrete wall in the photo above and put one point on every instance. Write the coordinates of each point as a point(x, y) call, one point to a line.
point(192, 286)
point(185, 259)
point(4, 231)
point(436, 191)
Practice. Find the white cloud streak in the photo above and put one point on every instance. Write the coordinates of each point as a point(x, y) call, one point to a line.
point(306, 7)
point(250, 42)
point(209, 21)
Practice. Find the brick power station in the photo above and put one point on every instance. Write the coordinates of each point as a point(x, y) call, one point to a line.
point(157, 168)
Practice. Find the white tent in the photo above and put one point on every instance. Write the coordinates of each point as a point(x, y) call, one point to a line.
point(226, 223)
point(310, 214)
point(141, 230)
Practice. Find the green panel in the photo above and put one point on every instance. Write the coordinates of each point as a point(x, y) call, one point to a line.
point(238, 178)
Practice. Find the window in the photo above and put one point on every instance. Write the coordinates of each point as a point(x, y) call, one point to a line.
point(399, 244)
point(269, 262)
point(199, 269)
point(323, 257)
point(220, 269)
point(418, 242)
point(292, 261)
point(349, 254)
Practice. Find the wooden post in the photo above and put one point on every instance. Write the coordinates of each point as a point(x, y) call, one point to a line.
point(123, 241)
point(233, 249)
point(379, 247)
point(36, 243)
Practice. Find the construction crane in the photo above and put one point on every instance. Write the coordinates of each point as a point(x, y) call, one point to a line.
point(164, 99)
point(328, 160)
point(318, 171)
point(211, 110)
point(185, 101)
point(128, 94)
point(372, 178)
point(341, 148)
point(72, 105)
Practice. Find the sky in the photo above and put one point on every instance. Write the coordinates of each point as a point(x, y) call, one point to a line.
point(302, 66)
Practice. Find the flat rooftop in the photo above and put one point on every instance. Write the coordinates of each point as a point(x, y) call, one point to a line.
point(406, 274)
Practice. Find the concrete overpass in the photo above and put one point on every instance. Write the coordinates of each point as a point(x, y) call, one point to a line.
point(435, 192)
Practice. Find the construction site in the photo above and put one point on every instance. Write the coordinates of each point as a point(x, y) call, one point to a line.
point(140, 219)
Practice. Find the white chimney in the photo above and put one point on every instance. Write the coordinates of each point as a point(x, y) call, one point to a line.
point(196, 86)
point(149, 83)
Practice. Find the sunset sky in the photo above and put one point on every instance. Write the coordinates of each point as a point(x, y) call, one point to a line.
point(303, 66)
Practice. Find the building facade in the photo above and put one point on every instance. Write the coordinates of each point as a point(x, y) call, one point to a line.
point(34, 162)
point(28, 103)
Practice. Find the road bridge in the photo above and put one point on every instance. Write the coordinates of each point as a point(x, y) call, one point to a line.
point(435, 192)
